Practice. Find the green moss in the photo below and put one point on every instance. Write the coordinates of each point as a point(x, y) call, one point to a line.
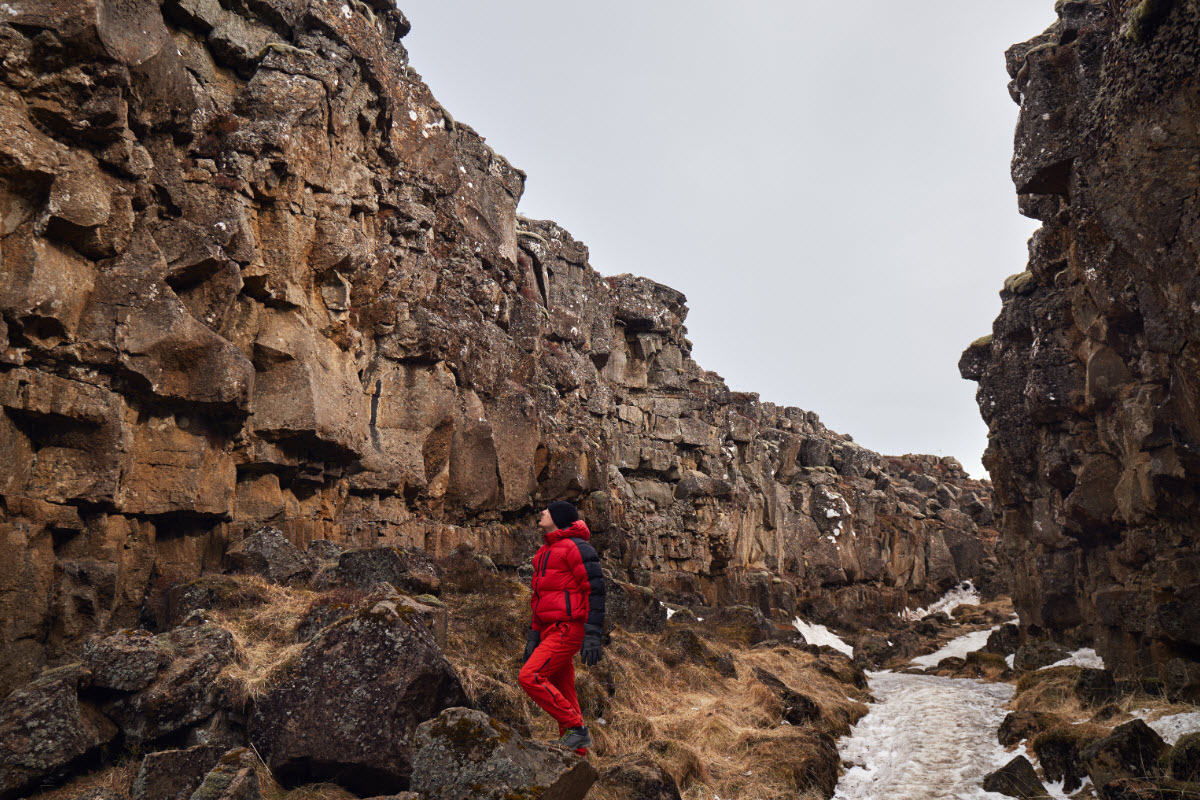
point(1145, 18)
point(462, 735)
point(981, 342)
point(1032, 679)
point(1182, 761)
point(1076, 737)
point(1021, 283)
point(987, 659)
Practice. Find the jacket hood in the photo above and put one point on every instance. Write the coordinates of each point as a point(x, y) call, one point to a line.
point(576, 530)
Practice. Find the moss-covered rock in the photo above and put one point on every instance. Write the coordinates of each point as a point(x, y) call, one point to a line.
point(1016, 779)
point(269, 553)
point(184, 692)
point(172, 774)
point(1132, 750)
point(1183, 761)
point(407, 569)
point(234, 777)
point(44, 726)
point(1059, 752)
point(349, 706)
point(1021, 725)
point(467, 755)
point(127, 661)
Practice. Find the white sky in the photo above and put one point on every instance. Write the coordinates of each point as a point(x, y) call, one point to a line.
point(826, 182)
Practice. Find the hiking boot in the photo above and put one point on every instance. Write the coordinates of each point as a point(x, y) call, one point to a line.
point(576, 738)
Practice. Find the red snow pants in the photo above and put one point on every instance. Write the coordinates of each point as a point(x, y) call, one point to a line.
point(549, 674)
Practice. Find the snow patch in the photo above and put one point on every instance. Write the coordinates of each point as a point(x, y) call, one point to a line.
point(1172, 728)
point(957, 648)
point(1086, 657)
point(670, 612)
point(818, 635)
point(965, 594)
point(926, 738)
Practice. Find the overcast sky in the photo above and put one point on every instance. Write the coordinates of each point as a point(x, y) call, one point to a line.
point(827, 182)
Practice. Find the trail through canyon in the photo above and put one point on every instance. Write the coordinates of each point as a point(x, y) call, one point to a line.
point(927, 737)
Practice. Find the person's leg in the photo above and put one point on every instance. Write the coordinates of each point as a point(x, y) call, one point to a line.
point(553, 655)
point(564, 679)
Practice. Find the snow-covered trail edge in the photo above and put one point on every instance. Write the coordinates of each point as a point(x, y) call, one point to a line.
point(926, 738)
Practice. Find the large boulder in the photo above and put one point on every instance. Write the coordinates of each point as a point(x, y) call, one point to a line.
point(235, 777)
point(1183, 762)
point(1021, 725)
point(467, 755)
point(348, 709)
point(174, 774)
point(1004, 640)
point(45, 727)
point(409, 570)
point(1016, 779)
point(269, 553)
point(1131, 751)
point(126, 661)
point(1037, 654)
point(185, 690)
point(1059, 751)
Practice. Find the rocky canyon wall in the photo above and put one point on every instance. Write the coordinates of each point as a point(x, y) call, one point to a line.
point(1090, 381)
point(251, 272)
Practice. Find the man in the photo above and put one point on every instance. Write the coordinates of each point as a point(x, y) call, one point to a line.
point(568, 617)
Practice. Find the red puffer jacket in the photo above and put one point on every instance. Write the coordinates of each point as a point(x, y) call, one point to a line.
point(567, 583)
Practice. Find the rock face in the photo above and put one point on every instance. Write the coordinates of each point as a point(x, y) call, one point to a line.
point(1090, 381)
point(252, 273)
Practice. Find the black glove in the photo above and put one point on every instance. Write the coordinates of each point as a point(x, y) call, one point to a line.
point(532, 640)
point(590, 652)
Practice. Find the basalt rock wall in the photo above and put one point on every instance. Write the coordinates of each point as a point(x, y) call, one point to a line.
point(1090, 381)
point(252, 272)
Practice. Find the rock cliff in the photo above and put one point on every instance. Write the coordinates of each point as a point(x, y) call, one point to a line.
point(1090, 381)
point(252, 272)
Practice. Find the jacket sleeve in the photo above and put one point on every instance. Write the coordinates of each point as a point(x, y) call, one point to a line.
point(591, 581)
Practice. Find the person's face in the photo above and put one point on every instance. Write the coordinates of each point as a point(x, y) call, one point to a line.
point(545, 523)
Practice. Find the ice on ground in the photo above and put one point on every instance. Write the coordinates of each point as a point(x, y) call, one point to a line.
point(965, 594)
point(670, 612)
point(1172, 728)
point(819, 635)
point(1087, 657)
point(926, 738)
point(956, 647)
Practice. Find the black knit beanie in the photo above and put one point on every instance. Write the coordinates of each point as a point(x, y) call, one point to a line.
point(563, 513)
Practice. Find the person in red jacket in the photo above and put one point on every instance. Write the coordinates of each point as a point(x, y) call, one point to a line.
point(568, 618)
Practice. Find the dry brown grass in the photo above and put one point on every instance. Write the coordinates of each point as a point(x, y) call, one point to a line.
point(714, 735)
point(118, 778)
point(1052, 690)
point(272, 790)
point(264, 635)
